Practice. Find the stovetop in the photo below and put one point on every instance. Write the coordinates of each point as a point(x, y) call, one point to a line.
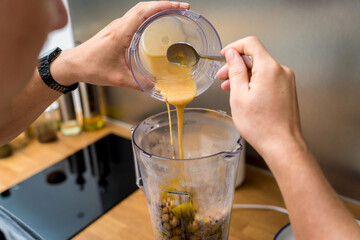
point(63, 199)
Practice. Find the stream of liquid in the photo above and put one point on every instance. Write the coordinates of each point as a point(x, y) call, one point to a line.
point(170, 127)
point(177, 86)
point(174, 82)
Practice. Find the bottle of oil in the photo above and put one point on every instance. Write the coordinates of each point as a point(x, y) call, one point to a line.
point(69, 123)
point(89, 95)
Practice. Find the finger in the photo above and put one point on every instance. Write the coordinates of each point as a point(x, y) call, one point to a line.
point(226, 85)
point(222, 74)
point(248, 61)
point(238, 73)
point(157, 6)
point(250, 46)
point(143, 10)
point(182, 5)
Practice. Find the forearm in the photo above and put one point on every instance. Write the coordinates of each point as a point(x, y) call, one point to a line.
point(315, 210)
point(35, 98)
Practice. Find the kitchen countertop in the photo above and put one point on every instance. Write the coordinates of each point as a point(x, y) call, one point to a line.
point(130, 218)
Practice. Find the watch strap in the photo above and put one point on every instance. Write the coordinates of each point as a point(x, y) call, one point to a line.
point(45, 74)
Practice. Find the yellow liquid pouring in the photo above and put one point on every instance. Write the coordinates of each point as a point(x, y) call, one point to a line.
point(170, 128)
point(174, 82)
point(177, 86)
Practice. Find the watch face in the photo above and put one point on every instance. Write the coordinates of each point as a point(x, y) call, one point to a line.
point(51, 53)
point(44, 54)
point(54, 54)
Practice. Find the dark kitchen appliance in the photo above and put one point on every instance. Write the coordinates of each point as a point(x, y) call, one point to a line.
point(63, 199)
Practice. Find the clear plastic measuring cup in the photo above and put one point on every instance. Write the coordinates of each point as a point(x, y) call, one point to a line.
point(189, 198)
point(175, 25)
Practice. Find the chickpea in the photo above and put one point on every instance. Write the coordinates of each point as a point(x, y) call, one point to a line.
point(165, 210)
point(174, 222)
point(178, 231)
point(166, 226)
point(165, 217)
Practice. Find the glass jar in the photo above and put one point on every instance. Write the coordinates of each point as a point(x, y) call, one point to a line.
point(69, 123)
point(90, 103)
point(47, 124)
point(20, 141)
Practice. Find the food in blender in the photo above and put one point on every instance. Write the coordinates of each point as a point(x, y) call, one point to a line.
point(181, 222)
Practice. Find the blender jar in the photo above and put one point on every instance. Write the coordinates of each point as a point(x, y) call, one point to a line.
point(164, 29)
point(188, 198)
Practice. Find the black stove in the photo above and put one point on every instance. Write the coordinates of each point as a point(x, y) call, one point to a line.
point(63, 199)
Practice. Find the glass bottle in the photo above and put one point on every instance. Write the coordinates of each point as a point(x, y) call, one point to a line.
point(21, 141)
point(47, 124)
point(93, 119)
point(69, 124)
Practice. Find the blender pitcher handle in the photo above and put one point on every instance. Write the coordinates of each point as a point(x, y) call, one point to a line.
point(139, 181)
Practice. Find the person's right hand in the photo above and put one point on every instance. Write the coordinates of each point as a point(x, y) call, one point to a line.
point(263, 99)
point(265, 111)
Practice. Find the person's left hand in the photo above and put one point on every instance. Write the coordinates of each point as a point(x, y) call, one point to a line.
point(103, 59)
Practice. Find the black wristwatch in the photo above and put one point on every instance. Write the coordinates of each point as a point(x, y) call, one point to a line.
point(44, 71)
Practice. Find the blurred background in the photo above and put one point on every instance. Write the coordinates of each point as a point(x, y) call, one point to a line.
point(319, 40)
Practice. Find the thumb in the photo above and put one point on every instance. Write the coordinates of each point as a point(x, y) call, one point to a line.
point(238, 72)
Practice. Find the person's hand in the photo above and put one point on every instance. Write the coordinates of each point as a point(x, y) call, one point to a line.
point(103, 59)
point(263, 99)
point(265, 111)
